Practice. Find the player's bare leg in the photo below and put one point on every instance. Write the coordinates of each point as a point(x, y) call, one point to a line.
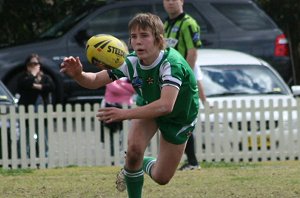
point(169, 157)
point(140, 134)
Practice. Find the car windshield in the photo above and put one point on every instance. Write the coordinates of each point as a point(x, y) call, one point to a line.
point(241, 80)
point(64, 25)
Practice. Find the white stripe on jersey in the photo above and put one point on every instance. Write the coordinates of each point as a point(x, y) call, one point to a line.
point(165, 70)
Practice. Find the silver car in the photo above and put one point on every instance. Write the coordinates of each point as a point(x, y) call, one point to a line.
point(239, 80)
point(7, 100)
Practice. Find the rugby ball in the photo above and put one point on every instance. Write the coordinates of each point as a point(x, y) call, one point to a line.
point(106, 51)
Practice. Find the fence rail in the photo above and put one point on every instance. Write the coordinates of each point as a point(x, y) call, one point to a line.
point(71, 135)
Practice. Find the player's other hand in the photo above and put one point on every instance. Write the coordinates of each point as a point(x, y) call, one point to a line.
point(110, 114)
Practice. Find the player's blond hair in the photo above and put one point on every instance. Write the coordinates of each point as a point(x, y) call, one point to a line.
point(152, 22)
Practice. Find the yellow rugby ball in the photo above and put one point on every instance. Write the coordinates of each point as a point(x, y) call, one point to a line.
point(106, 50)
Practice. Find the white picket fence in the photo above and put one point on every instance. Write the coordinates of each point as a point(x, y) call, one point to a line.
point(71, 136)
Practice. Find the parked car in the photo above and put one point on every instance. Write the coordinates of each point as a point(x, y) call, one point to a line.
point(231, 24)
point(236, 77)
point(6, 101)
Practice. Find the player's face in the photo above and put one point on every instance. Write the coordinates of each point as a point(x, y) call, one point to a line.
point(173, 7)
point(143, 43)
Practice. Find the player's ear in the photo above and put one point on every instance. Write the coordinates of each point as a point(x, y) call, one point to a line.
point(162, 42)
point(129, 44)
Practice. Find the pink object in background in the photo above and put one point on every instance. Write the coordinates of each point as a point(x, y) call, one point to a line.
point(120, 91)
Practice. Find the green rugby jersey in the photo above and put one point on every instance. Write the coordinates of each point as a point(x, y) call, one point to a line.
point(170, 68)
point(182, 33)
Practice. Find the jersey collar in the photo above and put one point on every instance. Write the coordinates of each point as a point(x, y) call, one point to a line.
point(179, 17)
point(155, 63)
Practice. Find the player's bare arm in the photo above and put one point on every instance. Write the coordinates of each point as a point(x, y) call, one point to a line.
point(191, 57)
point(160, 107)
point(73, 67)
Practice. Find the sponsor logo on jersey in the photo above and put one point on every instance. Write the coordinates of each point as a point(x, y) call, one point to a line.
point(137, 82)
point(175, 29)
point(171, 42)
point(196, 37)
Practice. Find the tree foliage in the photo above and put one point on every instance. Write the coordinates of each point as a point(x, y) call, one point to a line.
point(287, 14)
point(283, 12)
point(24, 20)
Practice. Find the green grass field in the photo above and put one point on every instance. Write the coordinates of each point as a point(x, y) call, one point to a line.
point(218, 180)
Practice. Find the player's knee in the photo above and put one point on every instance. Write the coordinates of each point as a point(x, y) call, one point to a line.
point(163, 181)
point(134, 155)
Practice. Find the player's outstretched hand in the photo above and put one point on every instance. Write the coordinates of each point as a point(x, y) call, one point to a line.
point(71, 66)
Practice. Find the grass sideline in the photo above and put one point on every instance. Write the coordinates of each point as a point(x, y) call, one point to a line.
point(225, 180)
